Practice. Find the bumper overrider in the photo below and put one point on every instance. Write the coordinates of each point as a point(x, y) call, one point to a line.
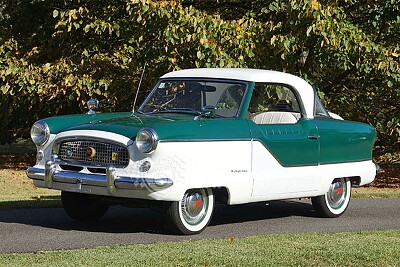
point(50, 174)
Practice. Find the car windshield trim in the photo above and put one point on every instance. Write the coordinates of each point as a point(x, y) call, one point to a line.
point(176, 110)
point(207, 87)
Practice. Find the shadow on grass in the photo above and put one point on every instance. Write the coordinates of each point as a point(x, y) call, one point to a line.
point(43, 202)
point(18, 155)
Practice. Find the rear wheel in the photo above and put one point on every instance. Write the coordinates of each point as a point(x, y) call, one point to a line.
point(82, 207)
point(335, 201)
point(192, 213)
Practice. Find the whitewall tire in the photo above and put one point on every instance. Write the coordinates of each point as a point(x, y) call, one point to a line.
point(192, 213)
point(335, 202)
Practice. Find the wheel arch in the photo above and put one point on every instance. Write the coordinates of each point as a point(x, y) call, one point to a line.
point(221, 195)
point(355, 181)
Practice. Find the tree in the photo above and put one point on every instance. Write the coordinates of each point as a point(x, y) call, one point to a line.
point(77, 49)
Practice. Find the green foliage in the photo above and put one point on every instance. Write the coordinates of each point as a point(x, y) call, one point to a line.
point(54, 55)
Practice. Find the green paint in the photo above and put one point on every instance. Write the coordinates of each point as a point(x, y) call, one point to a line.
point(246, 99)
point(204, 129)
point(60, 123)
point(340, 141)
point(288, 142)
point(129, 125)
point(343, 141)
point(171, 126)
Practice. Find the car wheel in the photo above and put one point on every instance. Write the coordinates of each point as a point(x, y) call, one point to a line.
point(82, 207)
point(335, 201)
point(192, 213)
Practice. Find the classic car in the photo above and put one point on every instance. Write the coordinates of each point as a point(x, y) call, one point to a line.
point(204, 136)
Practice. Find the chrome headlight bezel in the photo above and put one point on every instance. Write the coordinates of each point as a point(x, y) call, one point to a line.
point(40, 133)
point(146, 140)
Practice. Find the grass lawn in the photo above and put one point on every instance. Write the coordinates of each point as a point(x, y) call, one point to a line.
point(18, 191)
point(376, 248)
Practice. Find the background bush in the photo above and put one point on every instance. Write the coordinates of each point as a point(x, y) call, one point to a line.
point(56, 54)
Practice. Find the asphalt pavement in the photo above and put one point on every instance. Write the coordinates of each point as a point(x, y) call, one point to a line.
point(32, 230)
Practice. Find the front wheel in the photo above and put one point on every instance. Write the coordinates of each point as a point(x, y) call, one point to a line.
point(335, 201)
point(82, 207)
point(192, 213)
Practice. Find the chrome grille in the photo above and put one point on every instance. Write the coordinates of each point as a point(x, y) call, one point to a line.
point(93, 153)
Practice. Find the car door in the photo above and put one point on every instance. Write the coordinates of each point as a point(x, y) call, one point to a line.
point(285, 146)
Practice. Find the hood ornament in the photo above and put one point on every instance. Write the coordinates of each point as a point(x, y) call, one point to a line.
point(93, 105)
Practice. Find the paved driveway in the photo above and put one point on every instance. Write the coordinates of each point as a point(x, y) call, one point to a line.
point(30, 230)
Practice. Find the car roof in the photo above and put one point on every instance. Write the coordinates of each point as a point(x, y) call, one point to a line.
point(303, 88)
point(255, 75)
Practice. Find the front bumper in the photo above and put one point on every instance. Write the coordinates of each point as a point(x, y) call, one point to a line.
point(111, 180)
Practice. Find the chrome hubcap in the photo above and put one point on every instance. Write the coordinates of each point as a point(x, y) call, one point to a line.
point(194, 206)
point(337, 193)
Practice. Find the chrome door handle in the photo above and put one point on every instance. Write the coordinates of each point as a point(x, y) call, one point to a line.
point(313, 137)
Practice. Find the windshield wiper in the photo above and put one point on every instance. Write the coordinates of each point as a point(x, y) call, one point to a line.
point(185, 110)
point(158, 108)
point(162, 109)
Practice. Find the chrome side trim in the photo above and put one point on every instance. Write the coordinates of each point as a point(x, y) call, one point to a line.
point(111, 180)
point(137, 183)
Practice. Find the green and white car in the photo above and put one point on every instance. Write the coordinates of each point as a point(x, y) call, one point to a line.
point(205, 135)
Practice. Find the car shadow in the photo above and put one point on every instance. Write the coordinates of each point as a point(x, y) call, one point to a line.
point(224, 214)
point(142, 220)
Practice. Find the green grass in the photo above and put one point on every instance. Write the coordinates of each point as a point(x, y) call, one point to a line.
point(376, 248)
point(373, 192)
point(18, 191)
point(25, 146)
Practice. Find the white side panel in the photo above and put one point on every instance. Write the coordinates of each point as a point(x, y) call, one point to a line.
point(364, 169)
point(206, 164)
point(272, 181)
point(271, 178)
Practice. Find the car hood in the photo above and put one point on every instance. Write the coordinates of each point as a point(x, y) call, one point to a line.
point(171, 126)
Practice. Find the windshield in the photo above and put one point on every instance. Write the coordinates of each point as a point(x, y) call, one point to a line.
point(191, 96)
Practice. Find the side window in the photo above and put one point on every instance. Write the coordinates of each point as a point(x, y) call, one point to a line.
point(319, 108)
point(273, 103)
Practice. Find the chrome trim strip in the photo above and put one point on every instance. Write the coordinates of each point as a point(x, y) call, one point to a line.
point(35, 173)
point(138, 183)
point(111, 180)
point(93, 138)
point(79, 178)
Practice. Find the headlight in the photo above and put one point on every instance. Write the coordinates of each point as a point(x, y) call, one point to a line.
point(146, 140)
point(40, 133)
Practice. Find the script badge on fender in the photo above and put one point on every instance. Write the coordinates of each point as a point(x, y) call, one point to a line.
point(90, 152)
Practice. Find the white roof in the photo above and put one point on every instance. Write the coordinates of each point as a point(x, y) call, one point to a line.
point(304, 89)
